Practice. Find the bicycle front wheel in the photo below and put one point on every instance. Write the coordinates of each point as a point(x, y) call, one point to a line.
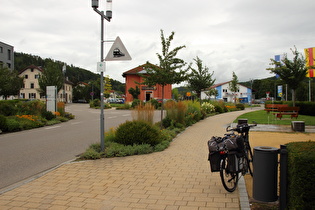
point(228, 179)
point(249, 157)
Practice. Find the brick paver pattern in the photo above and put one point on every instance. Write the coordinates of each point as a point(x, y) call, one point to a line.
point(176, 178)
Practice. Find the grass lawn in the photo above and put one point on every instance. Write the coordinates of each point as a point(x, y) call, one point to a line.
point(262, 117)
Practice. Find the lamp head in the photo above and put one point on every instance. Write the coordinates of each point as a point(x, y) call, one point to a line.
point(95, 4)
point(109, 9)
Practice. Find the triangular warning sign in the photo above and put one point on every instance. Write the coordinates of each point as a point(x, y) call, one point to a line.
point(118, 52)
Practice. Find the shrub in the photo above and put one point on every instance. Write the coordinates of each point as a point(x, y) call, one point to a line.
point(155, 103)
point(193, 113)
point(61, 108)
point(137, 132)
point(207, 107)
point(95, 103)
point(13, 125)
point(48, 115)
point(301, 166)
point(8, 108)
point(69, 115)
point(3, 123)
point(125, 106)
point(166, 122)
point(92, 153)
point(110, 135)
point(240, 106)
point(135, 103)
point(35, 107)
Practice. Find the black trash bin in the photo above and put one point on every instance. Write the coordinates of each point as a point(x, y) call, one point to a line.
point(265, 177)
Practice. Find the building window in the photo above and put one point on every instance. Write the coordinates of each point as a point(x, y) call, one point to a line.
point(32, 95)
point(1, 49)
point(26, 76)
point(32, 70)
point(9, 55)
point(224, 90)
point(32, 85)
point(36, 76)
point(22, 95)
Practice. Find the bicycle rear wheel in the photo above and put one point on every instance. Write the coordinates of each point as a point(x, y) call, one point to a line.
point(228, 179)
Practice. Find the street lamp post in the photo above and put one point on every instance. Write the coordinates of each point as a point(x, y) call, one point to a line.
point(107, 17)
point(64, 68)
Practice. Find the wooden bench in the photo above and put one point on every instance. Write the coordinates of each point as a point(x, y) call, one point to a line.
point(274, 107)
point(293, 111)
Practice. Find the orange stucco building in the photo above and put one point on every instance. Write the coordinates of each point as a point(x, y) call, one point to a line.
point(133, 79)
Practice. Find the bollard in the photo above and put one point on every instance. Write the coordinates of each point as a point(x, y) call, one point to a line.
point(242, 121)
point(265, 174)
point(298, 126)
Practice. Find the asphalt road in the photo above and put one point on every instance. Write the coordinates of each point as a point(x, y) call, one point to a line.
point(28, 153)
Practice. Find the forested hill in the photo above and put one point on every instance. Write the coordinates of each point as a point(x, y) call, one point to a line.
point(74, 74)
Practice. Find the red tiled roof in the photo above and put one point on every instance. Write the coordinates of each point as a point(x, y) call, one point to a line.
point(32, 67)
point(137, 69)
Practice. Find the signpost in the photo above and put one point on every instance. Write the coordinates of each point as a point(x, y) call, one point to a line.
point(51, 104)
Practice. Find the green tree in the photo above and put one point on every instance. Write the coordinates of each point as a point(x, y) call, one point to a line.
point(107, 86)
point(200, 78)
point(51, 76)
point(233, 85)
point(292, 72)
point(170, 70)
point(10, 83)
point(135, 92)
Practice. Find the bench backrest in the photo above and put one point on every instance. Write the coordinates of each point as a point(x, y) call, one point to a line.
point(276, 105)
point(288, 109)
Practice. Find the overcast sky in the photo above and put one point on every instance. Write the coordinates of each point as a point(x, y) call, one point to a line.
point(227, 35)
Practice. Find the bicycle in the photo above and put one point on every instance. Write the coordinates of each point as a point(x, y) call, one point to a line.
point(231, 155)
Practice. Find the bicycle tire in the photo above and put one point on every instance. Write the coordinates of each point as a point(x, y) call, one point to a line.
point(228, 179)
point(249, 157)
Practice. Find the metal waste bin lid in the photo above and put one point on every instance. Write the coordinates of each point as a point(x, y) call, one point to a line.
point(266, 149)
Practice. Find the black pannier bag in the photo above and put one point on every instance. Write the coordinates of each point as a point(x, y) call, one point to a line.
point(215, 144)
point(214, 158)
point(233, 160)
point(233, 144)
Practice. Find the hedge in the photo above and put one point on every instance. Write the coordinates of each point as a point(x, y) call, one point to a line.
point(301, 175)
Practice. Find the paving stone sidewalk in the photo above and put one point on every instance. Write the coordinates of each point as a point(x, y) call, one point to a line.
point(176, 178)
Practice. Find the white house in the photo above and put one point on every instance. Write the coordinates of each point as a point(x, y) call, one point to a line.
point(243, 95)
point(30, 85)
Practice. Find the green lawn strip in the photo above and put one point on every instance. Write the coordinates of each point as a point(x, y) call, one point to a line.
point(262, 117)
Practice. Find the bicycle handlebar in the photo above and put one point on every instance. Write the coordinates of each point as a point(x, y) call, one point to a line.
point(241, 128)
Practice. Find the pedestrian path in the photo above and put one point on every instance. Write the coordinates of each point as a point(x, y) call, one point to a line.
point(176, 178)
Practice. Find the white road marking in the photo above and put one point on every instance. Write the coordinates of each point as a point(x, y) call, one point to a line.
point(53, 127)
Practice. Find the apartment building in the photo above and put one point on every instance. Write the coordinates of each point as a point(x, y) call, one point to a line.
point(6, 55)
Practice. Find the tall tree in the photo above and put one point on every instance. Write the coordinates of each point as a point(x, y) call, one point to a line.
point(107, 86)
point(10, 83)
point(170, 69)
point(51, 76)
point(233, 85)
point(200, 78)
point(292, 72)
